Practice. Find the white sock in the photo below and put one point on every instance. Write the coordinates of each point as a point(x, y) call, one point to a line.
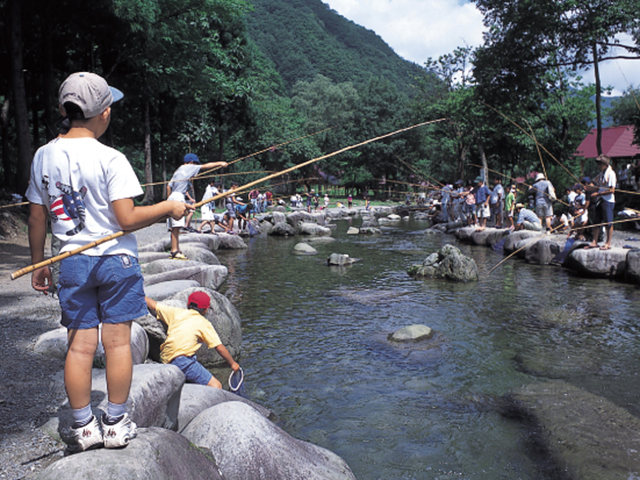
point(115, 410)
point(82, 416)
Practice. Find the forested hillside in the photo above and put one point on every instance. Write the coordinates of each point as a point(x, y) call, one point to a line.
point(304, 38)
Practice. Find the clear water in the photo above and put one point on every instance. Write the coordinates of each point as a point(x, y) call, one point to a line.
point(315, 350)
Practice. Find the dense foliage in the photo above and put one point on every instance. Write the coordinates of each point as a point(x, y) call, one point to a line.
point(224, 78)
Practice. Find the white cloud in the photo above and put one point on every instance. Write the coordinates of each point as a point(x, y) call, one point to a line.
point(419, 29)
point(416, 29)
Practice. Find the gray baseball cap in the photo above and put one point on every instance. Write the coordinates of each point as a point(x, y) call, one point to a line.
point(90, 92)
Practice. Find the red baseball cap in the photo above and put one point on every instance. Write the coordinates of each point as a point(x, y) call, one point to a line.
point(200, 299)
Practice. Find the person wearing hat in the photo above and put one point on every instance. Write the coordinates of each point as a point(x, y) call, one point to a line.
point(544, 196)
point(187, 330)
point(482, 194)
point(527, 220)
point(87, 189)
point(604, 199)
point(177, 190)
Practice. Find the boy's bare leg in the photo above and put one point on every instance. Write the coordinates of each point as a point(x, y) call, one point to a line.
point(175, 239)
point(78, 364)
point(116, 339)
point(214, 382)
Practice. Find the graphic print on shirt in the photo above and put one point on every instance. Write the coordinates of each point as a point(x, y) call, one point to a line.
point(68, 208)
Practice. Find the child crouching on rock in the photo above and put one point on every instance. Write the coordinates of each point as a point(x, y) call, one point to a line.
point(187, 330)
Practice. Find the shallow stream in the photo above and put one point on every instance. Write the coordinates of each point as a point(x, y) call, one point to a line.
point(315, 350)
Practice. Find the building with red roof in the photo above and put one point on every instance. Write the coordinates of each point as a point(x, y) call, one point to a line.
point(617, 143)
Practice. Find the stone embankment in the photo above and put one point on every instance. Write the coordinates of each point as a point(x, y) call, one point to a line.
point(621, 262)
point(186, 430)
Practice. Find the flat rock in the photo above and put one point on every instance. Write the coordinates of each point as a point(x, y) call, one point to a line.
point(543, 251)
point(598, 263)
point(209, 276)
point(167, 265)
point(231, 242)
point(588, 436)
point(155, 454)
point(248, 446)
point(515, 237)
point(307, 228)
point(198, 252)
point(340, 259)
point(412, 333)
point(160, 291)
point(147, 257)
point(304, 249)
point(320, 240)
point(353, 231)
point(632, 273)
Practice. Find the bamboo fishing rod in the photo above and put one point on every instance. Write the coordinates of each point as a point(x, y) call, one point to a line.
point(533, 138)
point(272, 147)
point(100, 241)
point(420, 174)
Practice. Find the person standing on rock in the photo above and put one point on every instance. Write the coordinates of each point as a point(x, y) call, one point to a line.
point(350, 201)
point(495, 201)
point(545, 195)
point(87, 189)
point(187, 330)
point(177, 190)
point(509, 204)
point(482, 195)
point(604, 199)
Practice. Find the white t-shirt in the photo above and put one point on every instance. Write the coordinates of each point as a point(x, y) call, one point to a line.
point(180, 180)
point(77, 179)
point(209, 192)
point(606, 181)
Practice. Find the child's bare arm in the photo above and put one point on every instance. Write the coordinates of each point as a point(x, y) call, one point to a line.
point(38, 215)
point(132, 217)
point(151, 304)
point(224, 353)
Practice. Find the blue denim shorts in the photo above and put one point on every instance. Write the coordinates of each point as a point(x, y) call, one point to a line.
point(94, 289)
point(193, 370)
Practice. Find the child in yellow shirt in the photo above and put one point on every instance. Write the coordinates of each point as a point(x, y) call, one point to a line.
point(188, 329)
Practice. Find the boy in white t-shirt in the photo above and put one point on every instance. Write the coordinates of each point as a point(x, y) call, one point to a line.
point(87, 190)
point(177, 190)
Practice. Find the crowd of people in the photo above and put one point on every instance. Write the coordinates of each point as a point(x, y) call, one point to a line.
point(586, 209)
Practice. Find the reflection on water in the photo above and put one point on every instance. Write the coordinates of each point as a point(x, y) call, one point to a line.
point(315, 350)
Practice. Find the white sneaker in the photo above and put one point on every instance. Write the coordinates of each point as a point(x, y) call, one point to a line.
point(120, 433)
point(89, 436)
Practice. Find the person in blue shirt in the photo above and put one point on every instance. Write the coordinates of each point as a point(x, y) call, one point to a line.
point(482, 204)
point(527, 220)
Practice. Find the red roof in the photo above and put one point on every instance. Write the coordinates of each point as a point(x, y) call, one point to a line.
point(617, 142)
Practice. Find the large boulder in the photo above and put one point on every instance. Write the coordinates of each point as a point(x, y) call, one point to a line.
point(632, 273)
point(587, 436)
point(148, 257)
point(231, 242)
point(515, 238)
point(167, 264)
point(283, 230)
point(279, 217)
point(543, 251)
point(448, 263)
point(209, 276)
point(153, 401)
point(225, 320)
point(55, 344)
point(198, 252)
point(598, 263)
point(248, 446)
point(210, 242)
point(195, 399)
point(162, 290)
point(155, 454)
point(307, 228)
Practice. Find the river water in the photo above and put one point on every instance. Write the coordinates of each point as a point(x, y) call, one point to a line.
point(315, 350)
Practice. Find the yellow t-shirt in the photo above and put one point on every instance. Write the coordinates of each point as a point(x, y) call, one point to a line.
point(187, 331)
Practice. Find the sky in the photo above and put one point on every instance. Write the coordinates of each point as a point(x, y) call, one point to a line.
point(419, 29)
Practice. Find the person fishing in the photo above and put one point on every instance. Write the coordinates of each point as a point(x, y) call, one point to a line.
point(87, 189)
point(177, 189)
point(603, 196)
point(187, 330)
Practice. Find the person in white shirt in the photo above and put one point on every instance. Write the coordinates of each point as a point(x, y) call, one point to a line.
point(605, 201)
